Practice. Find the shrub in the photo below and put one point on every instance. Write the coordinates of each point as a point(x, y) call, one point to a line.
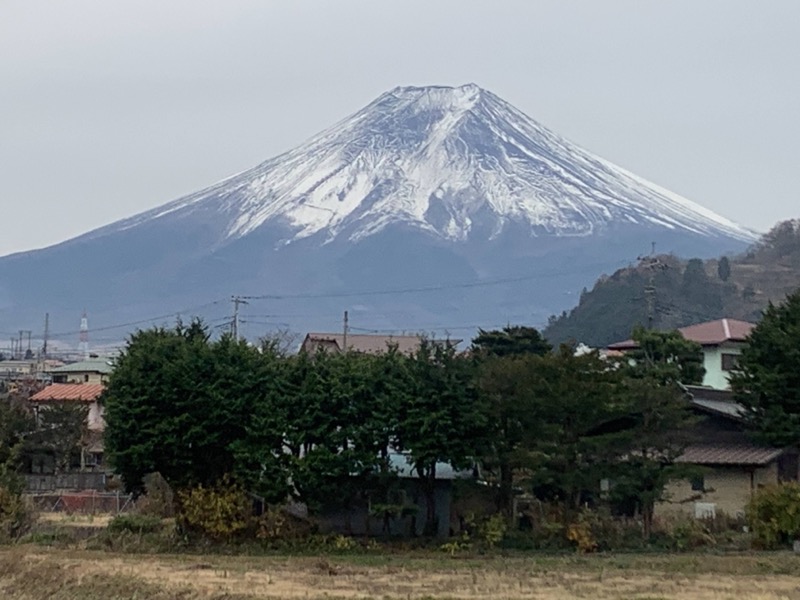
point(493, 530)
point(158, 499)
point(580, 533)
point(16, 515)
point(219, 513)
point(774, 515)
point(683, 532)
point(278, 525)
point(135, 523)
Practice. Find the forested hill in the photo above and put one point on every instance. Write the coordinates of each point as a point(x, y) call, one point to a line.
point(670, 292)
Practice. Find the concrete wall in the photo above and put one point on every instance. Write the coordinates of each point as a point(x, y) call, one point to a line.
point(728, 488)
point(715, 376)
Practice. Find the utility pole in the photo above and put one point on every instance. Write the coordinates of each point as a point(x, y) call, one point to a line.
point(46, 334)
point(652, 264)
point(235, 325)
point(346, 326)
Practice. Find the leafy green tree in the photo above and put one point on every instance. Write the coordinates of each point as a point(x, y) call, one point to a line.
point(337, 430)
point(659, 430)
point(16, 423)
point(443, 420)
point(264, 453)
point(502, 380)
point(62, 429)
point(177, 403)
point(575, 400)
point(659, 416)
point(668, 356)
point(506, 386)
point(767, 379)
point(510, 341)
point(724, 268)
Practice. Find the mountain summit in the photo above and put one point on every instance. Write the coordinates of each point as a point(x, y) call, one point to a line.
point(452, 161)
point(475, 213)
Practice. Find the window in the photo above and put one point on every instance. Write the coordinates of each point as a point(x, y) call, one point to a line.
point(698, 483)
point(86, 378)
point(730, 362)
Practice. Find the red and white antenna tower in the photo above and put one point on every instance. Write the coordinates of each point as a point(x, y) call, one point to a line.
point(83, 347)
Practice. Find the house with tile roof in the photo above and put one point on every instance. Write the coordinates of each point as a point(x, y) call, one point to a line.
point(731, 466)
point(367, 343)
point(93, 370)
point(722, 342)
point(82, 393)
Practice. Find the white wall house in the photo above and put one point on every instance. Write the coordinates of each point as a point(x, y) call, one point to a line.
point(722, 341)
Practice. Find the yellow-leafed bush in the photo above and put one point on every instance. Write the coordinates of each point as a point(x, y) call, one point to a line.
point(219, 513)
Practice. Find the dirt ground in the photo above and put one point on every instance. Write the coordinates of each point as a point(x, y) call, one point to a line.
point(33, 573)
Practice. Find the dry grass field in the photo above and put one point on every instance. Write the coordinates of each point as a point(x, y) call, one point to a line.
point(33, 573)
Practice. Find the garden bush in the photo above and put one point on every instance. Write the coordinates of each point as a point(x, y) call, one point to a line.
point(135, 523)
point(158, 499)
point(774, 515)
point(16, 515)
point(222, 513)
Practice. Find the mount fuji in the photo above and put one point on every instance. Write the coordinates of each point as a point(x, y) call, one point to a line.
point(430, 208)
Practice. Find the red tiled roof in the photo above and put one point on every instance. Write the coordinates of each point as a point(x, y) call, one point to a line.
point(729, 454)
point(69, 391)
point(711, 333)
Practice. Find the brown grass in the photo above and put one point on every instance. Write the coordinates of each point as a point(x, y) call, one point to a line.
point(31, 573)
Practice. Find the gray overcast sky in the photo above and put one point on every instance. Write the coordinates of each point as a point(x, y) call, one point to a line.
point(108, 108)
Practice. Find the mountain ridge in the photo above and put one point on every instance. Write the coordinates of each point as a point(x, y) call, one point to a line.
point(401, 158)
point(420, 187)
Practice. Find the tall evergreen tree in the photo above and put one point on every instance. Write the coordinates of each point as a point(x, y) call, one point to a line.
point(175, 405)
point(443, 419)
point(512, 340)
point(503, 381)
point(668, 356)
point(724, 268)
point(767, 378)
point(659, 416)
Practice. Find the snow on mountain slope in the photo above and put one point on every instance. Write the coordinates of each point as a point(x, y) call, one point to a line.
point(442, 160)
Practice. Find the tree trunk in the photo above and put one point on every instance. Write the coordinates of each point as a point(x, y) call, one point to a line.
point(647, 520)
point(506, 495)
point(431, 524)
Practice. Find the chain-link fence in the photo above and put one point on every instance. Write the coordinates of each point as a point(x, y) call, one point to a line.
point(85, 503)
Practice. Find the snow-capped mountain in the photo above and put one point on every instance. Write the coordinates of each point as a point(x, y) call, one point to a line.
point(472, 211)
point(443, 160)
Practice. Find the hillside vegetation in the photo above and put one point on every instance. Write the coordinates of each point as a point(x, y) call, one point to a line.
point(668, 292)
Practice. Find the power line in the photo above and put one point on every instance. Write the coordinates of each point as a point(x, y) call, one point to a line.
point(411, 290)
point(140, 321)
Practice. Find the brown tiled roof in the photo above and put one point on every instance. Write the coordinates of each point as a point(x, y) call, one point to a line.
point(716, 332)
point(729, 454)
point(711, 333)
point(69, 391)
point(373, 344)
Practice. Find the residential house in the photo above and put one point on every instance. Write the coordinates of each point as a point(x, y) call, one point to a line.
point(730, 465)
point(16, 374)
point(722, 342)
point(15, 369)
point(93, 371)
point(86, 393)
point(371, 344)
